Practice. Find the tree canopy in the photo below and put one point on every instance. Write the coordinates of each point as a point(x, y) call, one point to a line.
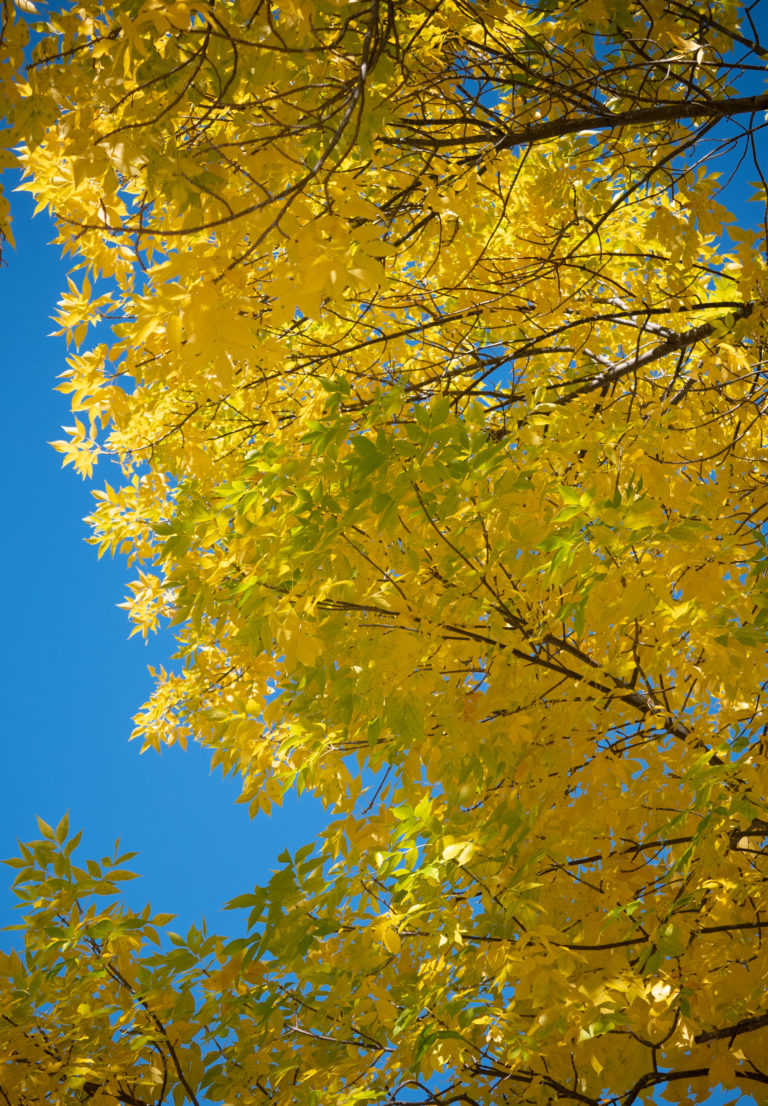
point(428, 375)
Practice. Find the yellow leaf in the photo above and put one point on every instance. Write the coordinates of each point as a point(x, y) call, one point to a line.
point(391, 939)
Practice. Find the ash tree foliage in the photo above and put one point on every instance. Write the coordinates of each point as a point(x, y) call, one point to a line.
point(429, 384)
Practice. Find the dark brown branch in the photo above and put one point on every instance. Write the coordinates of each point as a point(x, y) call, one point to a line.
point(654, 1078)
point(609, 121)
point(122, 1096)
point(522, 1077)
point(728, 1032)
point(675, 343)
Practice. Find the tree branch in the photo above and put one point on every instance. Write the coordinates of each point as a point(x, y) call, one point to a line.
point(728, 1032)
point(673, 344)
point(607, 121)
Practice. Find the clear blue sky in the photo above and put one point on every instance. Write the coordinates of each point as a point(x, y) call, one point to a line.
point(71, 679)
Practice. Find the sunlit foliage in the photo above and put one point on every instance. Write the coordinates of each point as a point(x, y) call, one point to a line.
point(428, 381)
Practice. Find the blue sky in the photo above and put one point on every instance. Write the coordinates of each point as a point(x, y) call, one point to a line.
point(71, 678)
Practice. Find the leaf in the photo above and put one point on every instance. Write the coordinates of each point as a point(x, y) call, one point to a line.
point(461, 851)
point(391, 939)
point(45, 829)
point(62, 830)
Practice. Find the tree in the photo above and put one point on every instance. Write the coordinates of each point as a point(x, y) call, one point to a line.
point(436, 387)
point(14, 36)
